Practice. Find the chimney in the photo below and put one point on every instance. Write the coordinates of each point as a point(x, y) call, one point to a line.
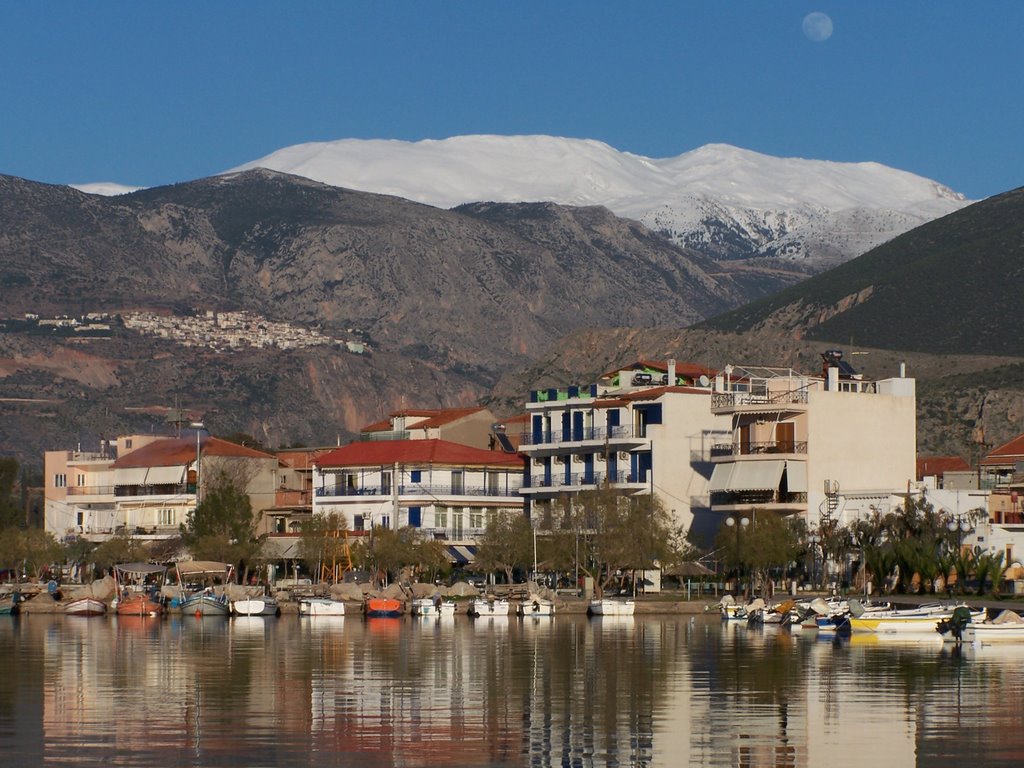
point(903, 370)
point(672, 372)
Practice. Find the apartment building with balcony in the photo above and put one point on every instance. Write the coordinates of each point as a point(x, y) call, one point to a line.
point(827, 446)
point(643, 429)
point(446, 490)
point(468, 426)
point(146, 485)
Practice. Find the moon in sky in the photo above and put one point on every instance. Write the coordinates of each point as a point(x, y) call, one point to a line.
point(817, 27)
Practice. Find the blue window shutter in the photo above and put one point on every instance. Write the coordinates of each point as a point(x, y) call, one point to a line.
point(414, 516)
point(414, 477)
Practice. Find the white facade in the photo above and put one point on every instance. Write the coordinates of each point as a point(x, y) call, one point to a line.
point(636, 438)
point(825, 447)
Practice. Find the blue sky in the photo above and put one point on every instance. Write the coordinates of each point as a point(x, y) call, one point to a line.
point(150, 93)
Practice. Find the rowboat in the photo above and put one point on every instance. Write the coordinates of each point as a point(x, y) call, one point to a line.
point(255, 606)
point(321, 606)
point(611, 607)
point(196, 579)
point(85, 606)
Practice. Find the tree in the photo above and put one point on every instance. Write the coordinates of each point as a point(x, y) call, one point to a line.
point(222, 527)
point(324, 544)
point(619, 534)
point(117, 549)
point(507, 544)
point(769, 542)
point(9, 513)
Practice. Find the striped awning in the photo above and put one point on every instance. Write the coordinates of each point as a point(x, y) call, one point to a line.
point(165, 475)
point(461, 554)
point(130, 476)
point(720, 477)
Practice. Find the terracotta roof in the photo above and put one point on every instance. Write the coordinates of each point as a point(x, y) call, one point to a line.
point(689, 370)
point(174, 451)
point(372, 453)
point(431, 418)
point(939, 465)
point(1008, 453)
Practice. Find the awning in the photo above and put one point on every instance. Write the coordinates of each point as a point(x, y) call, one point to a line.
point(130, 476)
point(283, 547)
point(796, 476)
point(460, 554)
point(141, 568)
point(756, 475)
point(165, 475)
point(720, 477)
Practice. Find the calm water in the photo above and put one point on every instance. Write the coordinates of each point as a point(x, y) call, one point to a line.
point(568, 691)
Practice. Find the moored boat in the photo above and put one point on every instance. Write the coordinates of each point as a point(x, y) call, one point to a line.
point(963, 627)
point(535, 605)
point(255, 606)
point(489, 606)
point(196, 579)
point(432, 607)
point(138, 589)
point(86, 606)
point(9, 604)
point(383, 607)
point(321, 606)
point(611, 607)
point(920, 620)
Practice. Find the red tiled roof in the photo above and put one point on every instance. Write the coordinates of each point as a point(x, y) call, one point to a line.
point(939, 465)
point(688, 370)
point(371, 453)
point(1008, 453)
point(431, 418)
point(182, 450)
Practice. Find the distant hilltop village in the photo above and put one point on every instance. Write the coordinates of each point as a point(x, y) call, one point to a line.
point(209, 329)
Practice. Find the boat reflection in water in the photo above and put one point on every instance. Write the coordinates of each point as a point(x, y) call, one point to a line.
point(568, 690)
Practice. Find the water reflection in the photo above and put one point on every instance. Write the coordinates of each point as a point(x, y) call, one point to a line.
point(563, 691)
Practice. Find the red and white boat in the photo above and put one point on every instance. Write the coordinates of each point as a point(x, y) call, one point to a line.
point(86, 606)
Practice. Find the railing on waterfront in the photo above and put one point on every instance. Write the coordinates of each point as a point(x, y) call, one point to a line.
point(747, 449)
point(577, 435)
point(737, 399)
point(419, 489)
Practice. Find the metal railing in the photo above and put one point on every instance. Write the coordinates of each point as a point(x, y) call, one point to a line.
point(581, 479)
point(577, 435)
point(169, 489)
point(731, 498)
point(90, 490)
point(736, 399)
point(419, 489)
point(770, 446)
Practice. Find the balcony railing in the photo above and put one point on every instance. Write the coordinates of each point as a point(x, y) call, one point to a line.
point(737, 399)
point(558, 479)
point(745, 498)
point(90, 490)
point(771, 446)
point(170, 489)
point(419, 489)
point(576, 435)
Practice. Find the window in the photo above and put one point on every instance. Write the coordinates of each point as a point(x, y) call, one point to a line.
point(476, 518)
point(358, 523)
point(385, 483)
point(80, 481)
point(441, 517)
point(458, 482)
point(492, 483)
point(128, 443)
point(457, 524)
point(279, 525)
point(166, 517)
point(60, 481)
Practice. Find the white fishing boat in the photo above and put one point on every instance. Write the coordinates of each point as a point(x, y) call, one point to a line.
point(255, 606)
point(432, 607)
point(321, 606)
point(920, 620)
point(535, 605)
point(611, 607)
point(483, 606)
point(86, 606)
point(963, 627)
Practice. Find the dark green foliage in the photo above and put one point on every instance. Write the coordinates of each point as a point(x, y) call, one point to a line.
point(223, 527)
point(9, 510)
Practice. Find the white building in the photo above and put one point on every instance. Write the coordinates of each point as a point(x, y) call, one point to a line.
point(447, 490)
point(647, 429)
point(827, 447)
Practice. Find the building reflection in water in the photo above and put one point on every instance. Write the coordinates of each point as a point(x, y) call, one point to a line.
point(568, 691)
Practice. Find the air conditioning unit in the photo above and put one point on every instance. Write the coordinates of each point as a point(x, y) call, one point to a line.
point(623, 455)
point(560, 459)
point(577, 459)
point(599, 456)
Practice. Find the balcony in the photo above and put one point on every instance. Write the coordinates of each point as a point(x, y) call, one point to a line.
point(418, 489)
point(579, 481)
point(728, 501)
point(729, 401)
point(90, 490)
point(728, 450)
point(559, 438)
point(170, 489)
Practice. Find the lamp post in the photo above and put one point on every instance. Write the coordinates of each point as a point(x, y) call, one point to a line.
point(738, 523)
point(814, 541)
point(198, 426)
point(961, 526)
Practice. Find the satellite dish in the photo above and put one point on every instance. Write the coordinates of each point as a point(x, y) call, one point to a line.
point(704, 380)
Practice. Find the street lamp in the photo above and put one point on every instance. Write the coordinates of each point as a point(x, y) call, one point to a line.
point(961, 527)
point(738, 523)
point(198, 426)
point(814, 540)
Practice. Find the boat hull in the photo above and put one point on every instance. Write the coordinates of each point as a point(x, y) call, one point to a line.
point(139, 604)
point(490, 608)
point(86, 606)
point(611, 607)
point(425, 607)
point(321, 606)
point(537, 607)
point(383, 608)
point(255, 606)
point(205, 604)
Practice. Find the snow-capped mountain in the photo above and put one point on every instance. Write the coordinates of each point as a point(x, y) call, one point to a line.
point(105, 188)
point(728, 202)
